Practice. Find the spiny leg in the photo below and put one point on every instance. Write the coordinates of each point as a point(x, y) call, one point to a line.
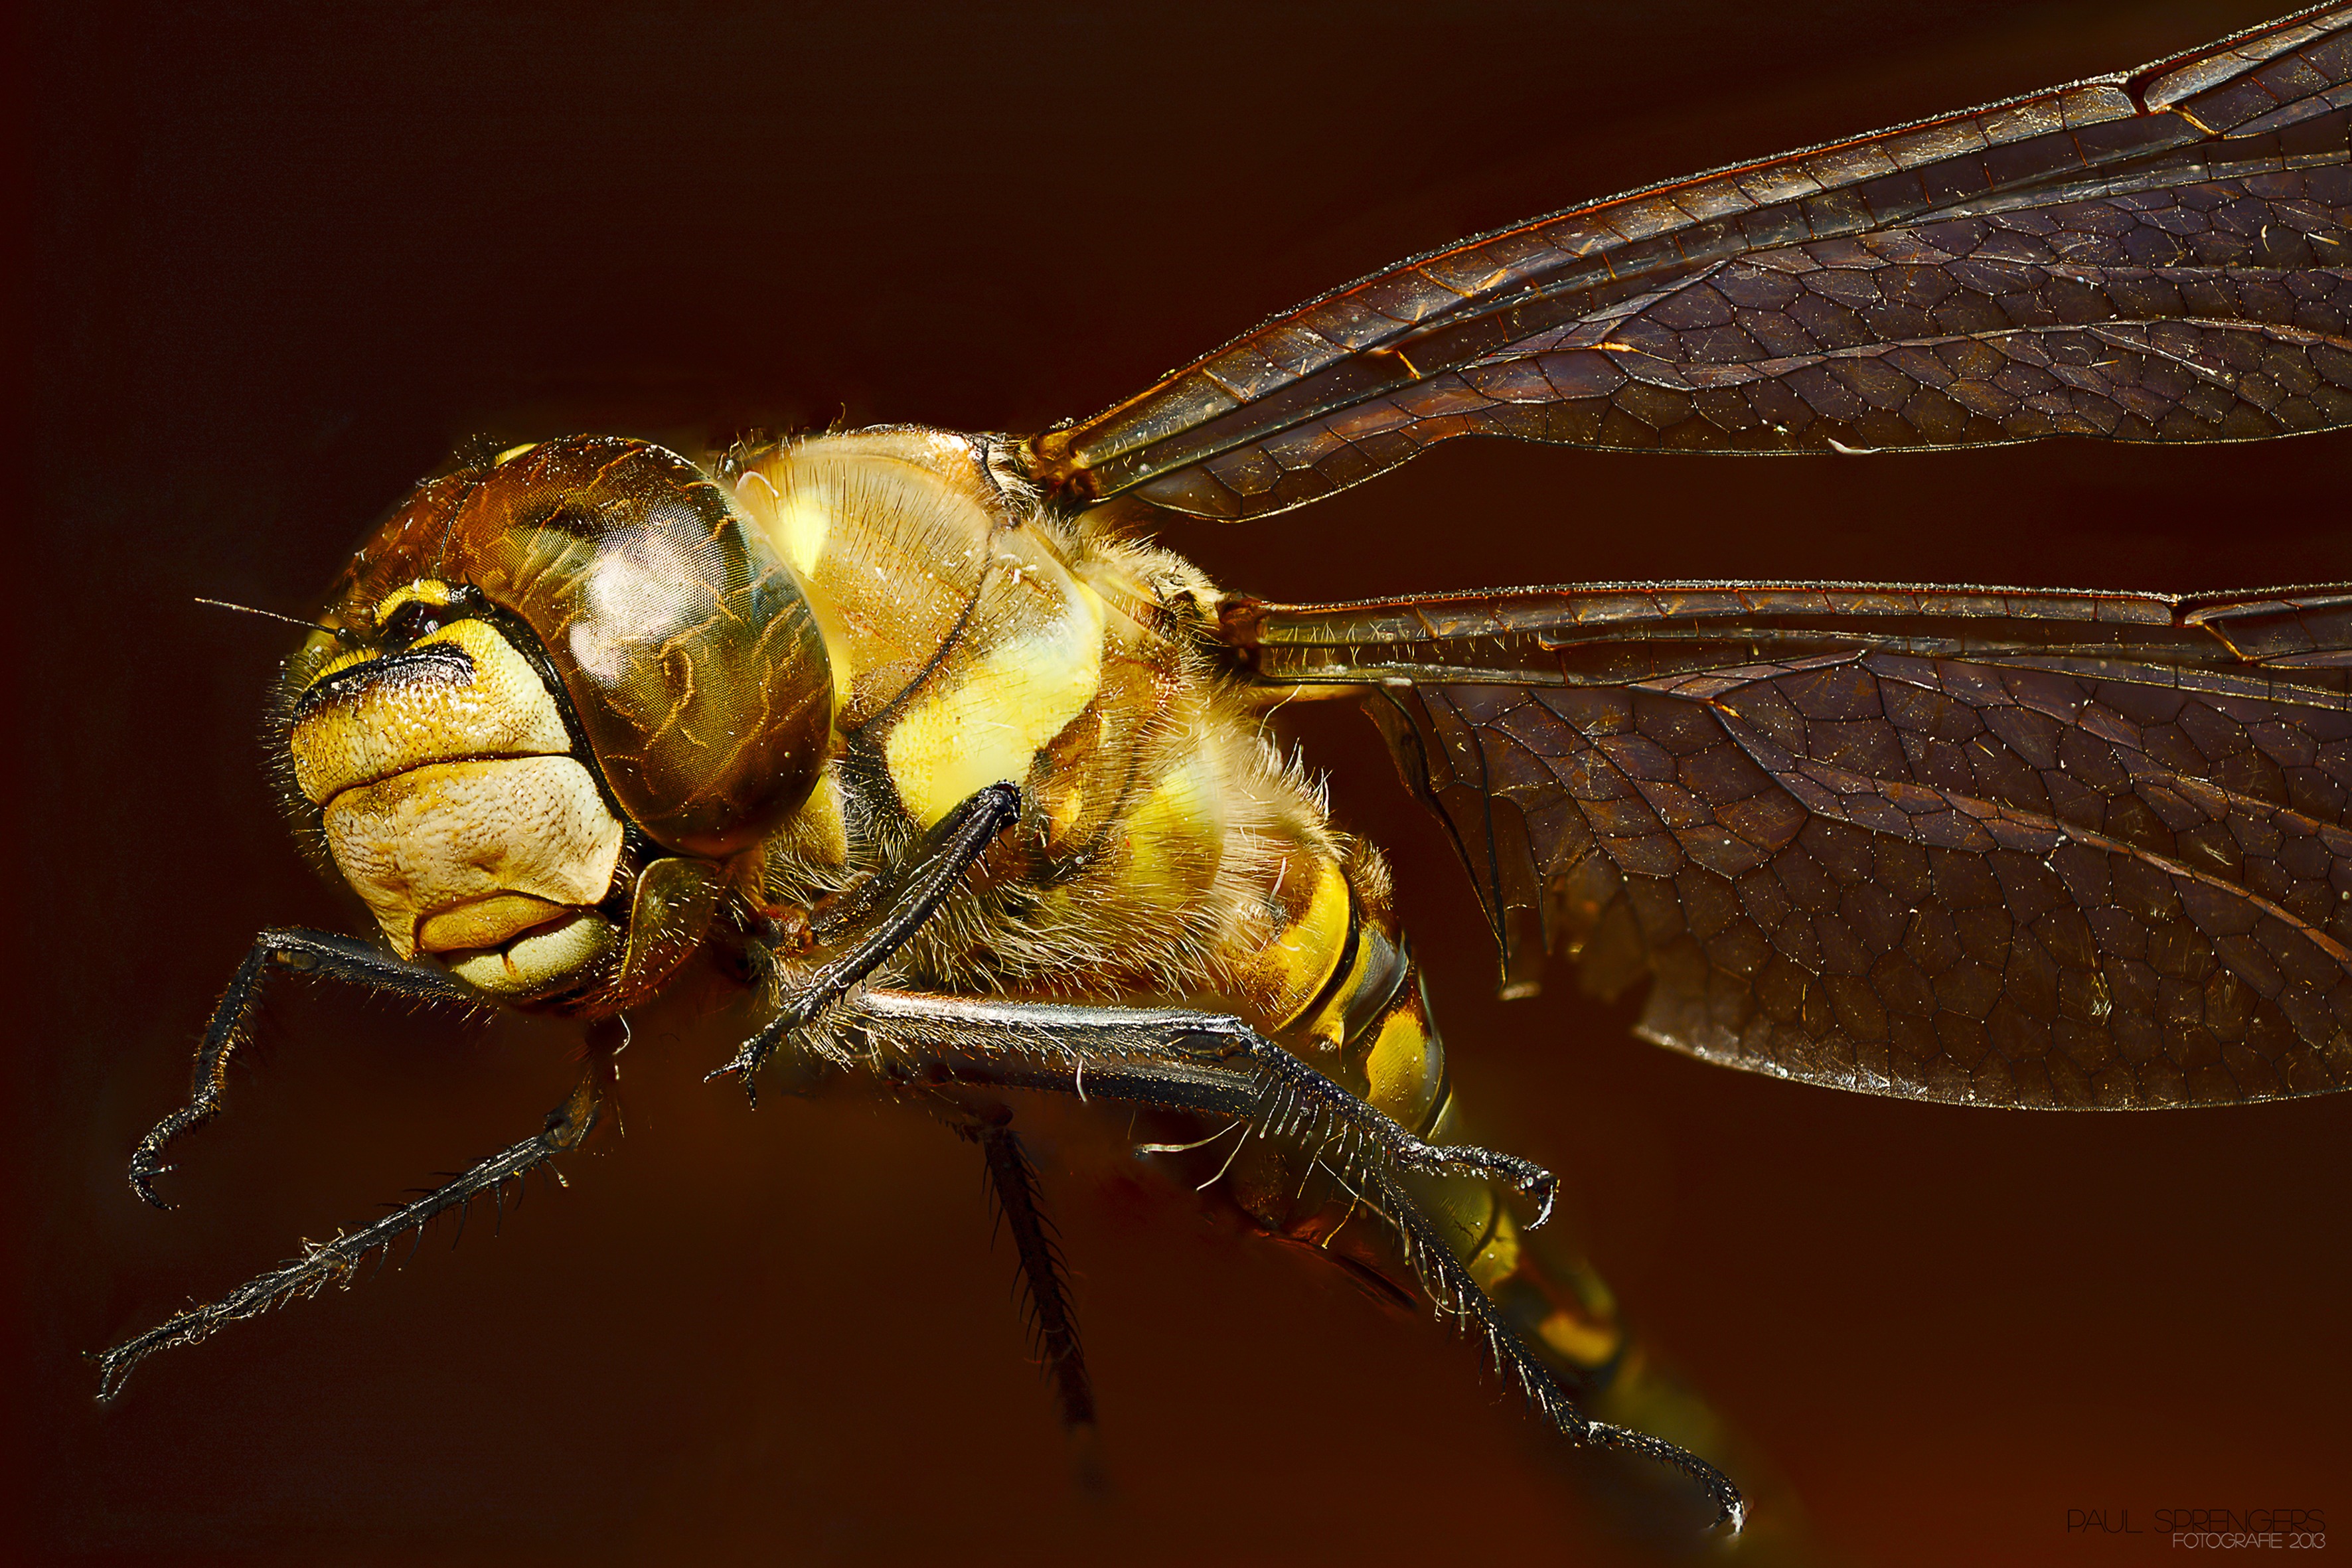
point(1038, 1047)
point(1013, 1182)
point(1455, 1291)
point(884, 918)
point(1292, 1098)
point(320, 953)
point(336, 1261)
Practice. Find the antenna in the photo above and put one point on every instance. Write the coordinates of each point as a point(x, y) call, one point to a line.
point(337, 633)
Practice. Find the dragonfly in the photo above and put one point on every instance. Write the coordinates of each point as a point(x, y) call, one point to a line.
point(1991, 847)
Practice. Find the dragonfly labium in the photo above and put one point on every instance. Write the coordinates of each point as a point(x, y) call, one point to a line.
point(927, 742)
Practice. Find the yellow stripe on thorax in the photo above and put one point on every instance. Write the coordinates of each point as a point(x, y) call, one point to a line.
point(1174, 837)
point(982, 724)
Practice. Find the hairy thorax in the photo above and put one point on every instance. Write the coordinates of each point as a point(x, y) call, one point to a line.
point(1165, 850)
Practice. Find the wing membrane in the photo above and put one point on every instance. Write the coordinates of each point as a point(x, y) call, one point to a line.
point(1987, 845)
point(2163, 255)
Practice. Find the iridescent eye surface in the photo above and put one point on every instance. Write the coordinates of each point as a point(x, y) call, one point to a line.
point(686, 647)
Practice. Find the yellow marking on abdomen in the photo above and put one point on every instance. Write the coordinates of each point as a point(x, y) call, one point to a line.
point(1585, 1341)
point(1498, 1258)
point(1302, 955)
point(1406, 1067)
point(1370, 961)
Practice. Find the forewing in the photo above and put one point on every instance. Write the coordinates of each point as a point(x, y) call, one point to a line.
point(1985, 846)
point(2163, 255)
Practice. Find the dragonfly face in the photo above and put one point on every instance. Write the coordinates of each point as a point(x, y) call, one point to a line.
point(1766, 799)
point(558, 693)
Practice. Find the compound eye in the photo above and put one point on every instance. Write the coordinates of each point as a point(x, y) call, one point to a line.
point(413, 621)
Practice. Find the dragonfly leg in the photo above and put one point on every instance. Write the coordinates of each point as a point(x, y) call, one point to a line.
point(1156, 1057)
point(1291, 1098)
point(882, 919)
point(987, 1123)
point(322, 954)
point(337, 1260)
point(1014, 1182)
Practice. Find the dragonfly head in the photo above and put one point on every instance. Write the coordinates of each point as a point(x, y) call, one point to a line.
point(557, 694)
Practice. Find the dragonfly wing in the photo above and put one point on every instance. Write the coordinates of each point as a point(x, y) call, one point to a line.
point(1987, 845)
point(2162, 255)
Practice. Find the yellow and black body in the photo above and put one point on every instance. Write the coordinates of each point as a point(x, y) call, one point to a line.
point(576, 711)
point(576, 706)
point(974, 785)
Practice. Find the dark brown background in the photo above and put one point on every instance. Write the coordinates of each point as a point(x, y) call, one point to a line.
point(289, 256)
